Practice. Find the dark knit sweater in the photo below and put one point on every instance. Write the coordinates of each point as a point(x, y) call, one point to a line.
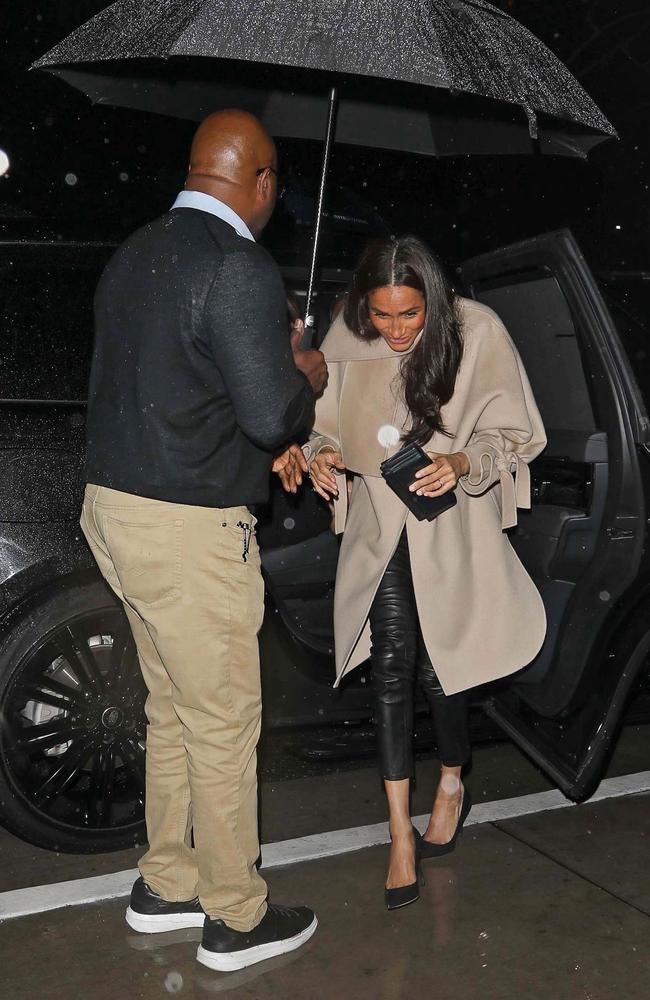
point(193, 381)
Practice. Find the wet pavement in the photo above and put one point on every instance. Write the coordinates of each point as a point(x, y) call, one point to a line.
point(328, 797)
point(550, 906)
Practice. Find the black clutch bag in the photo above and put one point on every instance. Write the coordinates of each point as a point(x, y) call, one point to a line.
point(399, 472)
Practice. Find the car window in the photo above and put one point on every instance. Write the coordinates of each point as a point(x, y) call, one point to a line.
point(46, 319)
point(538, 319)
point(628, 300)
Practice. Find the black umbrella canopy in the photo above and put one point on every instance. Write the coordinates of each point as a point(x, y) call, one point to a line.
point(158, 55)
point(426, 76)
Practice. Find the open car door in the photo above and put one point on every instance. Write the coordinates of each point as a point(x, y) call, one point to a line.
point(582, 541)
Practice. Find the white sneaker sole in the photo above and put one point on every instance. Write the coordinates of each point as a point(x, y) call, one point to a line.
point(230, 961)
point(161, 922)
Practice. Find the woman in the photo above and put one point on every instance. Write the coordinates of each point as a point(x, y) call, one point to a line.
point(410, 362)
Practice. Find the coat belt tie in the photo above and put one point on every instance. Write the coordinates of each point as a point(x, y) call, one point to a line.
point(341, 504)
point(514, 477)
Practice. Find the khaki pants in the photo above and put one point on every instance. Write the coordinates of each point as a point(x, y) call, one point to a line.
point(195, 608)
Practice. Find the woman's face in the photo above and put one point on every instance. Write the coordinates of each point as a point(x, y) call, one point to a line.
point(397, 312)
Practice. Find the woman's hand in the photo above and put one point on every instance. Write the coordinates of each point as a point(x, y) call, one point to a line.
point(290, 465)
point(441, 476)
point(321, 473)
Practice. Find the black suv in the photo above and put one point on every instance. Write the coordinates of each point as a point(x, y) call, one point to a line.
point(72, 730)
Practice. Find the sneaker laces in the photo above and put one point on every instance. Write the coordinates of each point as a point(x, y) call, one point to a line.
point(282, 911)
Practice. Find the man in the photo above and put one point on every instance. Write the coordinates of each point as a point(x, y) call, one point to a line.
point(193, 385)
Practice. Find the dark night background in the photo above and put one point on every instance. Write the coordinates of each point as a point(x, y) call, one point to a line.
point(96, 173)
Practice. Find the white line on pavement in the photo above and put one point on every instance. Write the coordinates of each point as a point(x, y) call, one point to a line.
point(39, 899)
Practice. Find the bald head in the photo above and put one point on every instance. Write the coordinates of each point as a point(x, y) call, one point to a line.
point(234, 159)
point(231, 145)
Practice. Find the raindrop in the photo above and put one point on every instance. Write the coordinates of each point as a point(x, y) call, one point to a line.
point(173, 982)
point(71, 179)
point(124, 176)
point(289, 523)
point(387, 435)
point(4, 162)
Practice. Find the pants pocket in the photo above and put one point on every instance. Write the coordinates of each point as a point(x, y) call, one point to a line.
point(236, 541)
point(147, 558)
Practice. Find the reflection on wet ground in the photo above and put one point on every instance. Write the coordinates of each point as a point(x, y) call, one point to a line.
point(543, 907)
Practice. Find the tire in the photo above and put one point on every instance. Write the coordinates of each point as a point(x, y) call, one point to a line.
point(72, 724)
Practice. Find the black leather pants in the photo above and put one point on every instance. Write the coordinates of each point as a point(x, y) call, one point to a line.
point(398, 655)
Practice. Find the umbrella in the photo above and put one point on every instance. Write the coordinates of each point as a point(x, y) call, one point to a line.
point(443, 77)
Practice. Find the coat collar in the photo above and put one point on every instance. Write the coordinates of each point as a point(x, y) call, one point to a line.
point(341, 344)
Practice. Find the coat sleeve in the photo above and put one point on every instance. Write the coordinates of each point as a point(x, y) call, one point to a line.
point(325, 431)
point(245, 321)
point(325, 434)
point(508, 433)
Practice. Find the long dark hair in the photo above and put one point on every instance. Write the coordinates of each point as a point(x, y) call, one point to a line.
point(429, 371)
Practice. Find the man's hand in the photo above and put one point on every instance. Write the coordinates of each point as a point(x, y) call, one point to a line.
point(310, 362)
point(290, 465)
point(322, 475)
point(442, 475)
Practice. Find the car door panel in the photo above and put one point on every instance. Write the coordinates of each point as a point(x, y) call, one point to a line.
point(300, 579)
point(554, 539)
point(582, 540)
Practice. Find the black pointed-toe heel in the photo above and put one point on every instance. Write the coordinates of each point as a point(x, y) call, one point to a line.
point(429, 850)
point(403, 895)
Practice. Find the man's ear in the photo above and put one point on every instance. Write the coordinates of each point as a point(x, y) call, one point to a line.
point(264, 185)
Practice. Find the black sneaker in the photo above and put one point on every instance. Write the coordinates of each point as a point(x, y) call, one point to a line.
point(149, 913)
point(281, 929)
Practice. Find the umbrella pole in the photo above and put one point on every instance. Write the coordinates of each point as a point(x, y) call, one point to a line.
point(327, 153)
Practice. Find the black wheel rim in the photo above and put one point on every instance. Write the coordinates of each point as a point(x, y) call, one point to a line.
point(74, 729)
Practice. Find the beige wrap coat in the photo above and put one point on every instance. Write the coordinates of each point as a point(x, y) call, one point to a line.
point(481, 615)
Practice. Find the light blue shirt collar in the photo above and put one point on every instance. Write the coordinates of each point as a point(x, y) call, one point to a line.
point(206, 203)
